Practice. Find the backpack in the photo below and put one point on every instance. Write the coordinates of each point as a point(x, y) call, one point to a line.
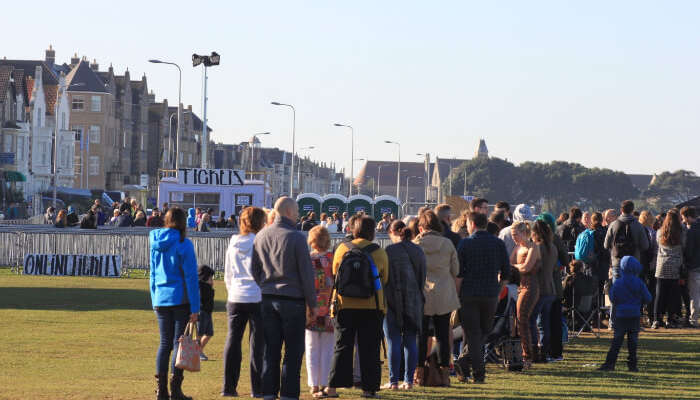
point(623, 242)
point(585, 246)
point(357, 274)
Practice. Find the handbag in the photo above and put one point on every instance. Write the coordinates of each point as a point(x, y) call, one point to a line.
point(188, 349)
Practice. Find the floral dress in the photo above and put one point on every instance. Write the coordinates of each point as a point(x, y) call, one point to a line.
point(323, 283)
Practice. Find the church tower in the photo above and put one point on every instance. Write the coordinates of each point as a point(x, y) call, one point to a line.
point(482, 150)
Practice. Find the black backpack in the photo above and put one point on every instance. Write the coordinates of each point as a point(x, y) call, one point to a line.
point(354, 277)
point(623, 242)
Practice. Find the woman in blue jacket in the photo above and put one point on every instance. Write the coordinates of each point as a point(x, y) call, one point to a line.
point(174, 294)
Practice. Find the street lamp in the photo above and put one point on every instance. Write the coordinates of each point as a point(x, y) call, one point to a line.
point(294, 124)
point(352, 155)
point(426, 178)
point(299, 164)
point(252, 152)
point(398, 169)
point(208, 61)
point(170, 138)
point(179, 111)
point(408, 178)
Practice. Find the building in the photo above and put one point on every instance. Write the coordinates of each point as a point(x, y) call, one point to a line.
point(377, 178)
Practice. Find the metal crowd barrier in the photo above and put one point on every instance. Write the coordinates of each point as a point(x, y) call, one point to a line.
point(16, 241)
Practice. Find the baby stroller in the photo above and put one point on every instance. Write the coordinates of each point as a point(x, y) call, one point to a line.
point(502, 345)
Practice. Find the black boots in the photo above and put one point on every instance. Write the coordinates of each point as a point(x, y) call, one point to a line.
point(162, 387)
point(176, 388)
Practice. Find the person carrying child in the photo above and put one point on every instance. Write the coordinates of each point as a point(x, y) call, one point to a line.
point(627, 295)
point(205, 326)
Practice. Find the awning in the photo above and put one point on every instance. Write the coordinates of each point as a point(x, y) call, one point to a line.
point(13, 176)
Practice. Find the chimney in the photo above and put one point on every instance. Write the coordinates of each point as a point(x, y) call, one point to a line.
point(74, 60)
point(50, 56)
point(94, 66)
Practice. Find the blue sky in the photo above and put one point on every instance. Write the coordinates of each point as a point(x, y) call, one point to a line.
point(605, 84)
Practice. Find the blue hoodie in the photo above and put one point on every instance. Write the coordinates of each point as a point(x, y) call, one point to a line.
point(174, 278)
point(191, 219)
point(628, 293)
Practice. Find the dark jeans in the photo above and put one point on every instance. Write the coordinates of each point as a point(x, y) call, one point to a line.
point(477, 320)
point(239, 314)
point(366, 325)
point(396, 340)
point(283, 324)
point(667, 298)
point(685, 297)
point(441, 323)
point(171, 323)
point(544, 307)
point(555, 330)
point(629, 326)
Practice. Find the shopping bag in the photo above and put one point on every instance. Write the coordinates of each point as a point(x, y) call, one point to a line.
point(188, 349)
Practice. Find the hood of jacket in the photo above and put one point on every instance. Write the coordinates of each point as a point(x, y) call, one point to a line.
point(630, 266)
point(190, 212)
point(243, 243)
point(431, 242)
point(627, 218)
point(163, 239)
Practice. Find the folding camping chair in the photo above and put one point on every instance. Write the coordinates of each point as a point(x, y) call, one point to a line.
point(585, 308)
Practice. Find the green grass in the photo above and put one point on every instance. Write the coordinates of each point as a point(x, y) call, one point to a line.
point(94, 338)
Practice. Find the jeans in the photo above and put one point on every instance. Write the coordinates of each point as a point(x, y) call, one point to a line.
point(477, 320)
point(694, 292)
point(545, 309)
point(171, 323)
point(629, 326)
point(366, 325)
point(395, 341)
point(442, 334)
point(284, 321)
point(239, 315)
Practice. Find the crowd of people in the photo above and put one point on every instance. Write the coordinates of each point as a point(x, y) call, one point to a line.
point(340, 306)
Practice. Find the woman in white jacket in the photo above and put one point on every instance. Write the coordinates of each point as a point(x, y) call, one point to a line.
point(243, 305)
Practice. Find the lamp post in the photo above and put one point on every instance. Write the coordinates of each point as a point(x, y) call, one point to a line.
point(352, 156)
point(398, 169)
point(379, 174)
point(299, 165)
point(294, 123)
point(252, 151)
point(208, 61)
point(426, 178)
point(170, 139)
point(179, 111)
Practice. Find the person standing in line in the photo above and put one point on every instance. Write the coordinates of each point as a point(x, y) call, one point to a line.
point(527, 260)
point(319, 331)
point(669, 262)
point(648, 260)
point(441, 287)
point(629, 293)
point(205, 324)
point(140, 219)
point(155, 220)
point(358, 317)
point(282, 267)
point(174, 296)
point(243, 306)
point(569, 230)
point(50, 216)
point(691, 254)
point(523, 213)
point(542, 236)
point(484, 269)
point(443, 212)
point(404, 300)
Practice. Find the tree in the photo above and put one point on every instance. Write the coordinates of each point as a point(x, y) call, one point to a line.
point(670, 188)
point(491, 178)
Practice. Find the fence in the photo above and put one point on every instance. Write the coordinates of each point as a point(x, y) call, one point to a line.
point(16, 241)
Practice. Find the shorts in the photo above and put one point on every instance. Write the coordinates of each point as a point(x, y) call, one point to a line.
point(205, 326)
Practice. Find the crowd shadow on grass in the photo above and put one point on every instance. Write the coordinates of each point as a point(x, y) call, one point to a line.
point(78, 299)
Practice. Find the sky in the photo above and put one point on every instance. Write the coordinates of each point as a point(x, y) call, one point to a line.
point(605, 84)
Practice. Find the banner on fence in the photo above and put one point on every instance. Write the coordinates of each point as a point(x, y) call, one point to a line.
point(101, 265)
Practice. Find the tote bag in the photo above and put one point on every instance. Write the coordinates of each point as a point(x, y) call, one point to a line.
point(188, 349)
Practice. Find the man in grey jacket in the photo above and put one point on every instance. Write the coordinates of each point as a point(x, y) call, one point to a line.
point(282, 267)
point(639, 238)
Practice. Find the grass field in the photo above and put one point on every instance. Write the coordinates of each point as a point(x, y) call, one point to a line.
point(93, 338)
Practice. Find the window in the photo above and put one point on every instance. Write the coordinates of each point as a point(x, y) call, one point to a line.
point(189, 159)
point(94, 168)
point(63, 120)
point(78, 103)
point(44, 153)
point(7, 144)
point(96, 104)
point(95, 134)
point(20, 148)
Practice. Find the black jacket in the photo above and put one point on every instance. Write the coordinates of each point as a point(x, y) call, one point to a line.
point(691, 251)
point(447, 232)
point(568, 232)
point(206, 296)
